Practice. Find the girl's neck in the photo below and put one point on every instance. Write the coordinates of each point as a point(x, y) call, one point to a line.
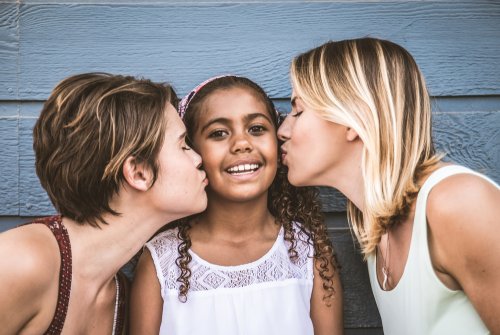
point(236, 219)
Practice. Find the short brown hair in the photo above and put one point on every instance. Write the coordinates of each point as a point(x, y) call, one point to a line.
point(87, 128)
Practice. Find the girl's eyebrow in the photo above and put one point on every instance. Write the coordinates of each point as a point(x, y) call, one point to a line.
point(252, 116)
point(225, 121)
point(222, 120)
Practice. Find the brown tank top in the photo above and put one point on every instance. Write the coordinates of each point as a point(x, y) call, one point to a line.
point(54, 223)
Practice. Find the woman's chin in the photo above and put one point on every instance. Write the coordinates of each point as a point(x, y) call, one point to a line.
point(296, 179)
point(202, 204)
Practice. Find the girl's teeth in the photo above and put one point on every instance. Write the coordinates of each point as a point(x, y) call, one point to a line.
point(244, 167)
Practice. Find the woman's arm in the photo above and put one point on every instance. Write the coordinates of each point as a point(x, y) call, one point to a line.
point(463, 214)
point(327, 320)
point(146, 303)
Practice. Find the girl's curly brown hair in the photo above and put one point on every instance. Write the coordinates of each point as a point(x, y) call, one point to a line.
point(285, 202)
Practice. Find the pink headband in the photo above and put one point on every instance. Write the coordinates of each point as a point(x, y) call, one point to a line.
point(183, 105)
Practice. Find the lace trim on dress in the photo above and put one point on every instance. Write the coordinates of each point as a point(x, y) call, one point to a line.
point(274, 266)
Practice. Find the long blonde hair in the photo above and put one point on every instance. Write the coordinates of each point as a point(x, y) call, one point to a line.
point(375, 87)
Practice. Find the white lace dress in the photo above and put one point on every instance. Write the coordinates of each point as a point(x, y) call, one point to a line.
point(269, 296)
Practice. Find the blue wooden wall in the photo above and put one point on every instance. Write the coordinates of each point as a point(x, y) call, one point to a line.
point(456, 44)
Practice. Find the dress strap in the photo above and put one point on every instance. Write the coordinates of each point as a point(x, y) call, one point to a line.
point(420, 228)
point(121, 317)
point(54, 223)
point(444, 172)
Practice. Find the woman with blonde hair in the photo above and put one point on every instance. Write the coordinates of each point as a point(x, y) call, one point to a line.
point(361, 115)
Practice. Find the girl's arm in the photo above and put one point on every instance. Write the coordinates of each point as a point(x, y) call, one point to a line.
point(146, 303)
point(327, 320)
point(463, 213)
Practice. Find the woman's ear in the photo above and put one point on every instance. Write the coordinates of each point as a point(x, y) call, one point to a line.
point(137, 175)
point(351, 134)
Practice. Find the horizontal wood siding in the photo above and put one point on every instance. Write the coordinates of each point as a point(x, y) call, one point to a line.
point(455, 43)
point(9, 171)
point(9, 51)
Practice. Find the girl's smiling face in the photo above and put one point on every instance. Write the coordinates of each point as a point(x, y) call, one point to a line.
point(237, 141)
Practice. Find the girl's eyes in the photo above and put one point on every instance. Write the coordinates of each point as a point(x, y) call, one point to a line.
point(217, 134)
point(254, 130)
point(257, 129)
point(296, 114)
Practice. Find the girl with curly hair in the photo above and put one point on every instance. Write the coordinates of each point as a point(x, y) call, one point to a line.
point(258, 260)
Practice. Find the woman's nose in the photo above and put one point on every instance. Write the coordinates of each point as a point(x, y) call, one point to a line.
point(196, 159)
point(284, 130)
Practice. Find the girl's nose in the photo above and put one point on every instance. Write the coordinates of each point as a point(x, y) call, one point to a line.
point(242, 144)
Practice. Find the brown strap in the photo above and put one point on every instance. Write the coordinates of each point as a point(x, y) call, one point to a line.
point(61, 234)
point(54, 223)
point(121, 327)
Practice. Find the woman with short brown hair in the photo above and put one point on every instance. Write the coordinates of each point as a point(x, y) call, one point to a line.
point(110, 151)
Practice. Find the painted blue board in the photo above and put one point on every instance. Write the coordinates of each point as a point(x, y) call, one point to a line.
point(9, 170)
point(360, 310)
point(33, 201)
point(9, 48)
point(456, 43)
point(460, 135)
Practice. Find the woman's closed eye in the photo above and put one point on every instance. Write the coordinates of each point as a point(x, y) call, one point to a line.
point(296, 114)
point(184, 143)
point(186, 146)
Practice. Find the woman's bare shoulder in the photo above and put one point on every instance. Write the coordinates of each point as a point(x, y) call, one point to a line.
point(461, 194)
point(462, 213)
point(29, 264)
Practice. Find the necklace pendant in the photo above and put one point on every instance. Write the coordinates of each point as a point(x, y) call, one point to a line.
point(386, 278)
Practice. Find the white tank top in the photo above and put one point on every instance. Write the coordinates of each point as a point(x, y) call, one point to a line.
point(268, 296)
point(421, 304)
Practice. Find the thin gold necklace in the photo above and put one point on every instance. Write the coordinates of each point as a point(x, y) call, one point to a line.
point(385, 264)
